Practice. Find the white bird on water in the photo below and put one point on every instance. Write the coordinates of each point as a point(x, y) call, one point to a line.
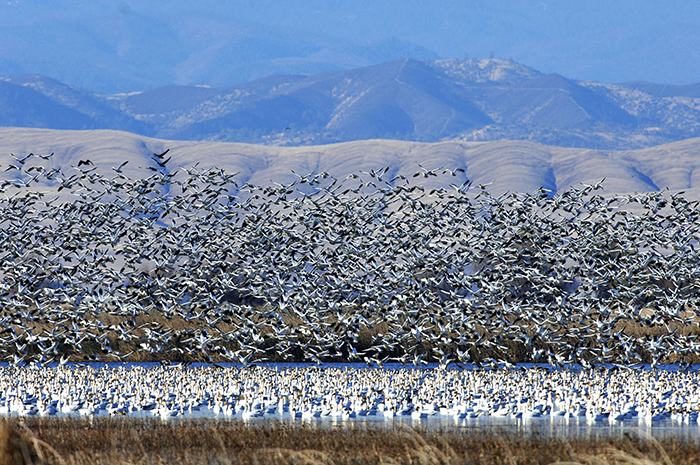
point(346, 393)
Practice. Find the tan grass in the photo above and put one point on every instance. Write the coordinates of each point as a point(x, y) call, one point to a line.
point(10, 446)
point(106, 441)
point(20, 446)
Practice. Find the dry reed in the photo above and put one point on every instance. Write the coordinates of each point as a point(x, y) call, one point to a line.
point(107, 441)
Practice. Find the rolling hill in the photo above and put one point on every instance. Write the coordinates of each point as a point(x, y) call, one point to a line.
point(516, 166)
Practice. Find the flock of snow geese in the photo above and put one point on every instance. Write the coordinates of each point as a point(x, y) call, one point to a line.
point(198, 265)
point(615, 396)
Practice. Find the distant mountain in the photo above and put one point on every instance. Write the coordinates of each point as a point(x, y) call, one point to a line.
point(43, 102)
point(664, 90)
point(24, 106)
point(403, 99)
point(469, 100)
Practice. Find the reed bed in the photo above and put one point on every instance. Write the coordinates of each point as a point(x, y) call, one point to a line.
point(107, 441)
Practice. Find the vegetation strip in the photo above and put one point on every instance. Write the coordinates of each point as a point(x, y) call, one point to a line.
point(117, 441)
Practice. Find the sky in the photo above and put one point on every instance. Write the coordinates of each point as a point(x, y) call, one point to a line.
point(113, 43)
point(582, 39)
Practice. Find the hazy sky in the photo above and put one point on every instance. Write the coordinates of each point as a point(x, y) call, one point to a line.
point(603, 40)
point(652, 40)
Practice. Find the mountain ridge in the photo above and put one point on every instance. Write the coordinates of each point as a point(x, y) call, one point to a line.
point(430, 101)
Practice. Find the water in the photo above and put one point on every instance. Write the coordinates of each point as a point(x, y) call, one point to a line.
point(550, 427)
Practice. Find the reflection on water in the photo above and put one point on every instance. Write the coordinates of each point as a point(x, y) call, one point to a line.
point(544, 427)
point(548, 427)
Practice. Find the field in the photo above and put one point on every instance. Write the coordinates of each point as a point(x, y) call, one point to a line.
point(130, 441)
